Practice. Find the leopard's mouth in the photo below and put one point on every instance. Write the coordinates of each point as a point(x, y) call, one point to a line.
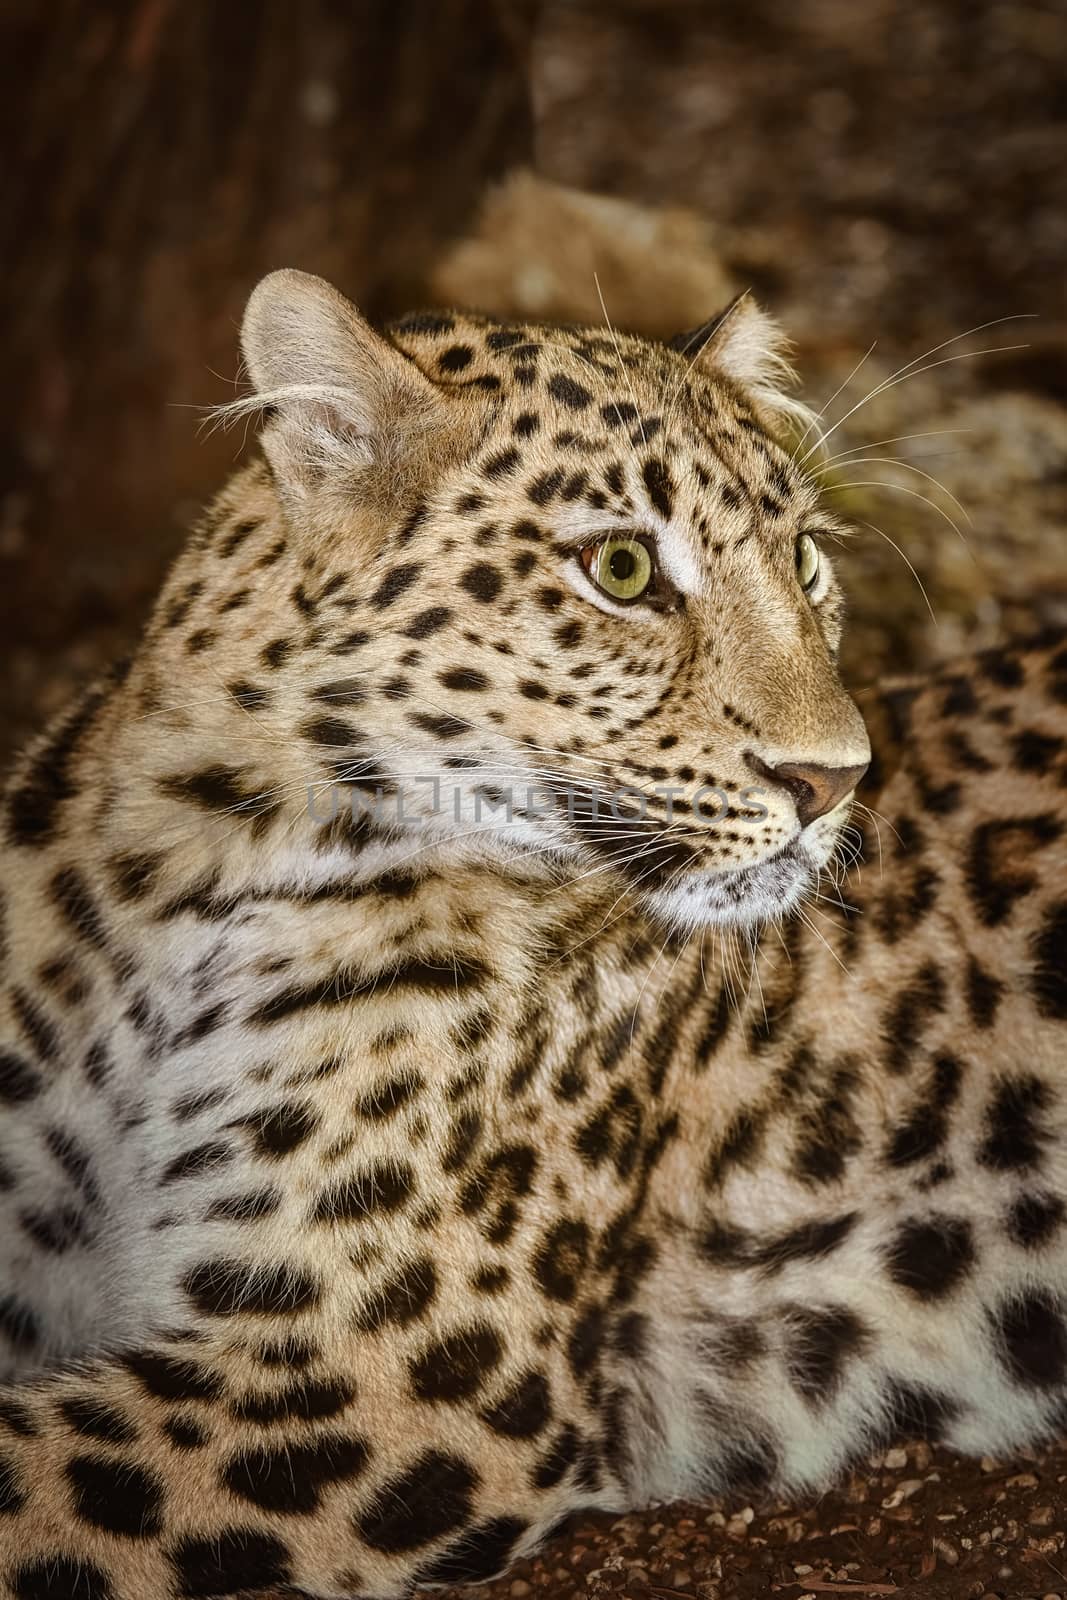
point(671, 874)
point(737, 897)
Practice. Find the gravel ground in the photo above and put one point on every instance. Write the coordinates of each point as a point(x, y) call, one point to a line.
point(891, 173)
point(919, 1525)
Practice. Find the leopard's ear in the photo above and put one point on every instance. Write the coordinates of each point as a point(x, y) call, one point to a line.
point(747, 347)
point(339, 398)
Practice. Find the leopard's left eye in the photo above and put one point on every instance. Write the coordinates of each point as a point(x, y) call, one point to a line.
point(807, 559)
point(621, 567)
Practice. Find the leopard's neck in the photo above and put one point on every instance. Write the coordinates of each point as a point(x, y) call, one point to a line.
point(173, 888)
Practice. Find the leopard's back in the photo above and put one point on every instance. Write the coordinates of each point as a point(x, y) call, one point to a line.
point(880, 1195)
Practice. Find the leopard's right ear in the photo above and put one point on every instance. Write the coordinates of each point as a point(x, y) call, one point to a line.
point(339, 398)
point(748, 348)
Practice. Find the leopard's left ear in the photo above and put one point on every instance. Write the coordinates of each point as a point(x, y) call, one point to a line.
point(347, 414)
point(748, 348)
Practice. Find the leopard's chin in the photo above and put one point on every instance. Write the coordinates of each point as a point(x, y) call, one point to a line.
point(738, 897)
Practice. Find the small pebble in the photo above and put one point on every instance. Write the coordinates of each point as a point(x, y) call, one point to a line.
point(902, 1492)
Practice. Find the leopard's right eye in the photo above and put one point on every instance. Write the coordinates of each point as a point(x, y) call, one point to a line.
point(620, 566)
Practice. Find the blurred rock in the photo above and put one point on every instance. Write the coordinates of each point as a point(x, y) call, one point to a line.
point(549, 253)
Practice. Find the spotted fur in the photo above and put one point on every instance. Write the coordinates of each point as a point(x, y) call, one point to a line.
point(376, 1190)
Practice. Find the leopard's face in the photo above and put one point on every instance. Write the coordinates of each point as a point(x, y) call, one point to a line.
point(601, 632)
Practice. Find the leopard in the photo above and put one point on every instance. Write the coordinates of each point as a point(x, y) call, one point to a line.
point(469, 1058)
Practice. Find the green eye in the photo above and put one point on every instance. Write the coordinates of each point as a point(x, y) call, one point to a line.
point(621, 567)
point(807, 556)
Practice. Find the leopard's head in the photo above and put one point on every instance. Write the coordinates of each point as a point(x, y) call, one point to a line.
point(571, 595)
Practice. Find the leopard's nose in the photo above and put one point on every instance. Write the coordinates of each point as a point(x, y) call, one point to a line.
point(815, 789)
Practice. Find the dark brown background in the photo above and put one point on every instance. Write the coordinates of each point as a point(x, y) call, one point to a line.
point(890, 171)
